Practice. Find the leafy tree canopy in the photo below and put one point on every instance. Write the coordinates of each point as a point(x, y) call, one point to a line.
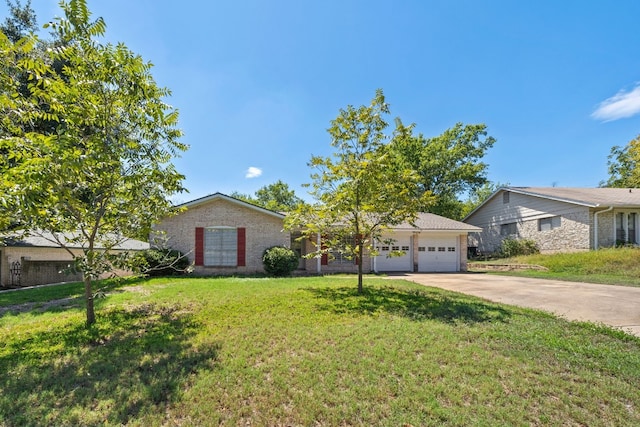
point(104, 173)
point(276, 197)
point(448, 165)
point(624, 165)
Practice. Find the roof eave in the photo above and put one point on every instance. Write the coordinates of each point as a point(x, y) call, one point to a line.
point(211, 197)
point(555, 198)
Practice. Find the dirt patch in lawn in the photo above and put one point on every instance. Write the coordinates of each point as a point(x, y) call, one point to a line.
point(42, 306)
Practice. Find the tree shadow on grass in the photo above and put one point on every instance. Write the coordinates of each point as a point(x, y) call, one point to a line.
point(40, 299)
point(134, 362)
point(413, 304)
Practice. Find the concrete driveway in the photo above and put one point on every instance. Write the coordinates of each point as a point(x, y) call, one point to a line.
point(617, 306)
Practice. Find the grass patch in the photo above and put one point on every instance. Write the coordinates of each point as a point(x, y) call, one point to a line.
point(309, 351)
point(612, 266)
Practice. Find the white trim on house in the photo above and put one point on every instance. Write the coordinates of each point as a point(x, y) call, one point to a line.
point(215, 196)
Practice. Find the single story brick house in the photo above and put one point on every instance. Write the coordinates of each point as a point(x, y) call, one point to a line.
point(36, 260)
point(557, 219)
point(224, 235)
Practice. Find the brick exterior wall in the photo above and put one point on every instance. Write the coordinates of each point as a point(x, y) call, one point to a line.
point(462, 239)
point(262, 232)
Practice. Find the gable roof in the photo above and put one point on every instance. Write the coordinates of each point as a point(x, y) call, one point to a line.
point(433, 222)
point(220, 196)
point(47, 240)
point(589, 197)
point(592, 197)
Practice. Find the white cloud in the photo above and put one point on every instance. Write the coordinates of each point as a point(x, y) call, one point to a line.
point(622, 104)
point(253, 172)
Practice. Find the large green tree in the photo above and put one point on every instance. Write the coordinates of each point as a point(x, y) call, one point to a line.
point(449, 165)
point(105, 174)
point(363, 188)
point(624, 165)
point(276, 197)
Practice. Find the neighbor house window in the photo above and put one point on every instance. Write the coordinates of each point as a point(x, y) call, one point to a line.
point(620, 237)
point(505, 197)
point(509, 229)
point(626, 227)
point(547, 224)
point(221, 246)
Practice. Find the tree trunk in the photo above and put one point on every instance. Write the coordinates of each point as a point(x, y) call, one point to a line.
point(88, 296)
point(360, 287)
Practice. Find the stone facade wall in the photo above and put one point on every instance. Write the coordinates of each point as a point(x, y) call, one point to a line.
point(574, 234)
point(262, 231)
point(606, 232)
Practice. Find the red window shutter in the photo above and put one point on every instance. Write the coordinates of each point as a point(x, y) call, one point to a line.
point(242, 246)
point(199, 246)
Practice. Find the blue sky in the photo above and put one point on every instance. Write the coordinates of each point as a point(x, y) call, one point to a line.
point(257, 82)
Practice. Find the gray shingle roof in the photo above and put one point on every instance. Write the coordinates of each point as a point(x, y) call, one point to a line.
point(45, 240)
point(592, 197)
point(433, 222)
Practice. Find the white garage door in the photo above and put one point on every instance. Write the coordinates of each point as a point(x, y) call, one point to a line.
point(397, 263)
point(438, 254)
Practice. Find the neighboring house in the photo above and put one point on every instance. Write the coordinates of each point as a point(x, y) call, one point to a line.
point(557, 219)
point(37, 260)
point(224, 235)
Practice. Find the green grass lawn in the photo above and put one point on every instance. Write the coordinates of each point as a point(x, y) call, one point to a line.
point(613, 266)
point(305, 351)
